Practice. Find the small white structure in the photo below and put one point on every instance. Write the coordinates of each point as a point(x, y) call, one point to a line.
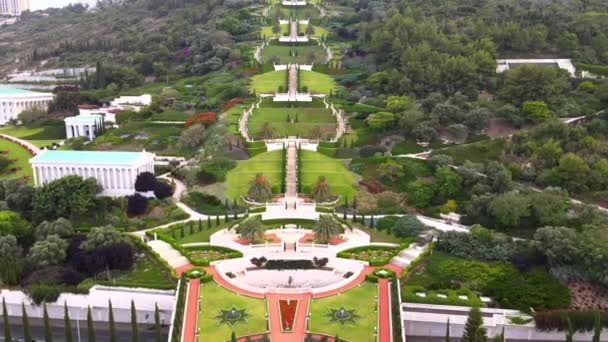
point(83, 126)
point(98, 299)
point(123, 103)
point(115, 172)
point(293, 3)
point(503, 65)
point(13, 101)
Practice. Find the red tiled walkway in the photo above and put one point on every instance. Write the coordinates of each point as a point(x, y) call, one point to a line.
point(384, 311)
point(274, 315)
point(190, 319)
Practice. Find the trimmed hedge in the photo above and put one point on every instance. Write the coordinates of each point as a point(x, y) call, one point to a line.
point(396, 310)
point(330, 152)
point(156, 256)
point(601, 70)
point(558, 320)
point(180, 307)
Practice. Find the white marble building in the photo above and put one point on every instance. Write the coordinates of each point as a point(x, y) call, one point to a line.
point(134, 103)
point(13, 101)
point(83, 126)
point(115, 172)
point(503, 65)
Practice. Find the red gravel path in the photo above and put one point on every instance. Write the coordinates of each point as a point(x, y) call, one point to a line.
point(384, 311)
point(189, 332)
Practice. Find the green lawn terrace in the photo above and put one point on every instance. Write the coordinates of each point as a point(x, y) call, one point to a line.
point(19, 165)
point(278, 53)
point(266, 31)
point(268, 163)
point(341, 180)
point(223, 312)
point(269, 82)
point(43, 134)
point(360, 318)
point(139, 135)
point(308, 12)
point(305, 120)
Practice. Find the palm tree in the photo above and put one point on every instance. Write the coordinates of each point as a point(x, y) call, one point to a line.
point(267, 131)
point(251, 228)
point(321, 190)
point(326, 228)
point(260, 189)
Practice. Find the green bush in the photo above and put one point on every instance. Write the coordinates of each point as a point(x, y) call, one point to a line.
point(330, 152)
point(582, 321)
point(256, 151)
point(44, 293)
point(387, 223)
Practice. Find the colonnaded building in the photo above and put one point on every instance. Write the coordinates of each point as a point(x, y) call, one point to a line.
point(115, 172)
point(14, 7)
point(13, 101)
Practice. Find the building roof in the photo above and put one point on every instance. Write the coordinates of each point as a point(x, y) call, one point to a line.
point(91, 157)
point(84, 118)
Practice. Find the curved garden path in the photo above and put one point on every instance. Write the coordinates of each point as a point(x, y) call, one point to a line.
point(28, 145)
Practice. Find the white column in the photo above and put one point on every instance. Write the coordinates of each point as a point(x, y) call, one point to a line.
point(34, 170)
point(91, 137)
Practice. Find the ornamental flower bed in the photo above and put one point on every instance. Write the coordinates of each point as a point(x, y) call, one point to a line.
point(206, 119)
point(288, 310)
point(375, 255)
point(228, 104)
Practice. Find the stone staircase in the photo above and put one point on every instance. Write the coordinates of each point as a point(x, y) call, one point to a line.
point(406, 256)
point(174, 258)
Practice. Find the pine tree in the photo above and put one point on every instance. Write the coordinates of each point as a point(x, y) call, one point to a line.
point(7, 327)
point(447, 331)
point(355, 203)
point(111, 323)
point(570, 331)
point(48, 334)
point(90, 326)
point(217, 220)
point(597, 326)
point(67, 324)
point(372, 224)
point(233, 336)
point(181, 230)
point(134, 331)
point(158, 334)
point(26, 324)
point(474, 330)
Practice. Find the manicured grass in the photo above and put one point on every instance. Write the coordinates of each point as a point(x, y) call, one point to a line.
point(197, 236)
point(22, 155)
point(171, 115)
point(266, 31)
point(407, 147)
point(477, 152)
point(39, 135)
point(301, 54)
point(232, 116)
point(307, 119)
point(317, 82)
point(269, 82)
point(340, 179)
point(268, 163)
point(146, 272)
point(319, 31)
point(138, 135)
point(299, 12)
point(361, 299)
point(214, 299)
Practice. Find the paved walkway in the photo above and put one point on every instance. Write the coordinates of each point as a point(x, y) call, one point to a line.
point(28, 145)
point(293, 82)
point(292, 155)
point(190, 321)
point(294, 31)
point(274, 316)
point(384, 311)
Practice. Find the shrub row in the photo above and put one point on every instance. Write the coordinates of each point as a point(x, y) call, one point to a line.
point(180, 307)
point(396, 310)
point(601, 70)
point(558, 320)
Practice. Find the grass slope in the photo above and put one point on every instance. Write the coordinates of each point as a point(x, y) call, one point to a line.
point(22, 155)
point(269, 82)
point(340, 179)
point(308, 118)
point(39, 135)
point(294, 54)
point(215, 298)
point(361, 299)
point(317, 82)
point(267, 163)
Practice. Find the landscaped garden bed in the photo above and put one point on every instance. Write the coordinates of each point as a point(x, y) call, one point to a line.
point(306, 122)
point(288, 310)
point(203, 255)
point(374, 255)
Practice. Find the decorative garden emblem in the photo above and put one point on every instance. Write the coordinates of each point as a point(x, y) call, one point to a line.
point(232, 317)
point(342, 316)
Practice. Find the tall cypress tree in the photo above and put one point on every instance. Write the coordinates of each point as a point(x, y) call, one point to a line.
point(158, 334)
point(111, 323)
point(233, 336)
point(26, 324)
point(570, 331)
point(208, 222)
point(474, 330)
point(597, 326)
point(200, 225)
point(217, 220)
point(90, 326)
point(67, 324)
point(134, 331)
point(7, 327)
point(48, 334)
point(447, 331)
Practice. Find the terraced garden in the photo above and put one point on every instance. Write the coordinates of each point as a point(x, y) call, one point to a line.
point(298, 121)
point(315, 164)
point(300, 54)
point(268, 163)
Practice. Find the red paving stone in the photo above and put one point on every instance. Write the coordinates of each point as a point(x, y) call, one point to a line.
point(183, 269)
point(384, 311)
point(394, 268)
point(274, 315)
point(190, 319)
